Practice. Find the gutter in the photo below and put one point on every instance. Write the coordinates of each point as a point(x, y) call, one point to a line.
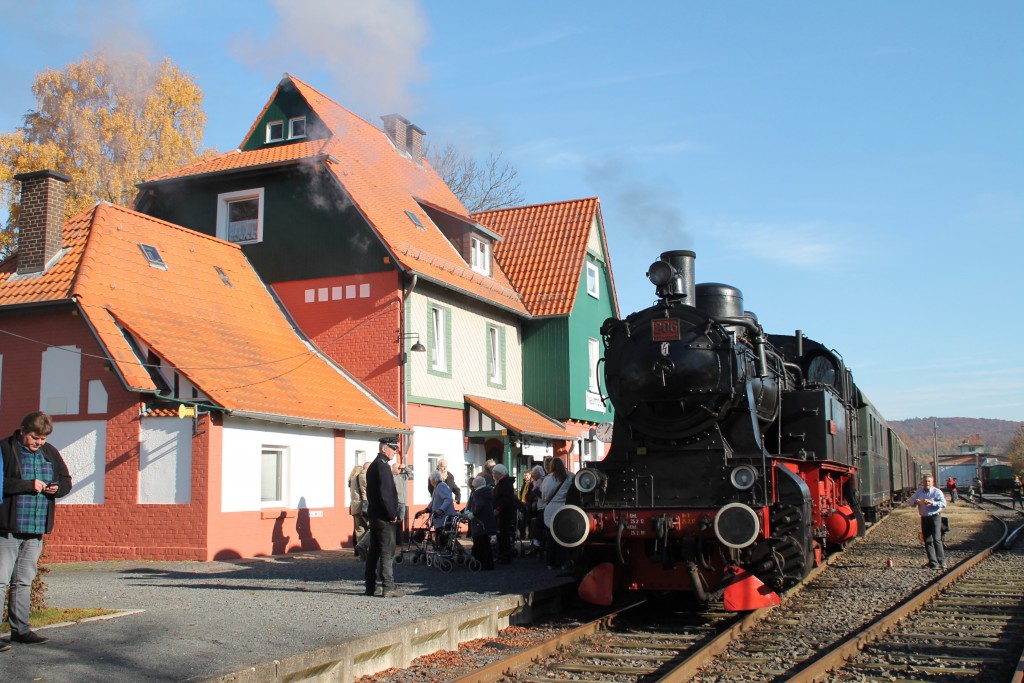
point(308, 422)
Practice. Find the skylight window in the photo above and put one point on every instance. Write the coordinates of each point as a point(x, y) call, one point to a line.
point(153, 256)
point(223, 276)
point(415, 220)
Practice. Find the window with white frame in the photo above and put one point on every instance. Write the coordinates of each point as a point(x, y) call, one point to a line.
point(593, 356)
point(274, 476)
point(588, 451)
point(480, 255)
point(297, 127)
point(495, 356)
point(439, 344)
point(593, 283)
point(240, 216)
point(275, 131)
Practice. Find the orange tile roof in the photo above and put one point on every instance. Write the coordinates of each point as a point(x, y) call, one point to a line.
point(383, 184)
point(519, 418)
point(229, 161)
point(543, 250)
point(233, 343)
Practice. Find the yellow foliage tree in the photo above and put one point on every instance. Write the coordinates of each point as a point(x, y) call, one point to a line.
point(1015, 450)
point(108, 124)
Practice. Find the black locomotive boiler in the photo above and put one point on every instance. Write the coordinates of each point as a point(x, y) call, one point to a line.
point(733, 460)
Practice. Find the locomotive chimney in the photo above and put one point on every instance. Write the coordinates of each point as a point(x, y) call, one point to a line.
point(682, 284)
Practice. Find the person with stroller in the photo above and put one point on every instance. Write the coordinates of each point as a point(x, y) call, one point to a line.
point(441, 505)
point(482, 524)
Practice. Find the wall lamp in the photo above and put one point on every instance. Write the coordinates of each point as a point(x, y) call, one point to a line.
point(417, 347)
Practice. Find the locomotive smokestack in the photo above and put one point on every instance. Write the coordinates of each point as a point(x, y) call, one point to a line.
point(680, 286)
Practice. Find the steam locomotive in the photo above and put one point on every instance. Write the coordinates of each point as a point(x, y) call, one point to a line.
point(737, 458)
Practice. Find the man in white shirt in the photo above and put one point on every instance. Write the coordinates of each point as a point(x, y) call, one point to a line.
point(930, 501)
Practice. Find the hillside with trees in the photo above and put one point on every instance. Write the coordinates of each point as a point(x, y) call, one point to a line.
point(917, 433)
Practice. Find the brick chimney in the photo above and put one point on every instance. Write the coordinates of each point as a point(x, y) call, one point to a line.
point(41, 221)
point(395, 126)
point(414, 142)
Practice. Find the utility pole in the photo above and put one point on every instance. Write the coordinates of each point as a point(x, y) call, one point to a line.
point(935, 449)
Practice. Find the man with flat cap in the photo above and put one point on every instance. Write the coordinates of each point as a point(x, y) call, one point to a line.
point(382, 511)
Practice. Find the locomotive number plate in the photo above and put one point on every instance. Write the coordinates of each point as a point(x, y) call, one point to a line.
point(665, 329)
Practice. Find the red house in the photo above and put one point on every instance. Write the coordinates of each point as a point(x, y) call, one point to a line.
point(117, 324)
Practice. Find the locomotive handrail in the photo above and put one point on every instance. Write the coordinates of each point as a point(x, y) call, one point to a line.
point(759, 339)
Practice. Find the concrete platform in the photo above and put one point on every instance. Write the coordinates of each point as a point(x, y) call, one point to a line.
point(299, 617)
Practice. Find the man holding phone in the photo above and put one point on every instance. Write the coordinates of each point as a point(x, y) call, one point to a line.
point(34, 476)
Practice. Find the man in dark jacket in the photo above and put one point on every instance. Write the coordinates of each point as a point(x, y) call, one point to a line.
point(34, 477)
point(382, 511)
point(448, 478)
point(506, 507)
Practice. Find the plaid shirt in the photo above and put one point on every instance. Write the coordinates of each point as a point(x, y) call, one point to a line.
point(31, 510)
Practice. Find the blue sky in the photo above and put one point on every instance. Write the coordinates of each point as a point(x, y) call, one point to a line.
point(856, 169)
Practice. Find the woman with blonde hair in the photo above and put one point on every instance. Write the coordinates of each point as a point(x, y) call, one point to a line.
point(357, 508)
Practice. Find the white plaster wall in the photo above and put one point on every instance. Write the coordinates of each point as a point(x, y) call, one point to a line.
point(310, 464)
point(430, 440)
point(60, 379)
point(165, 461)
point(83, 445)
point(97, 400)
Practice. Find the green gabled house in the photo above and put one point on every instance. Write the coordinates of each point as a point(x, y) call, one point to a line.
point(556, 256)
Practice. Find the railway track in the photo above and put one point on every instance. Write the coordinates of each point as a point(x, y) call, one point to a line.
point(967, 626)
point(785, 643)
point(622, 646)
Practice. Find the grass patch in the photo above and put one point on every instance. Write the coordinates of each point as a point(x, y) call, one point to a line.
point(53, 615)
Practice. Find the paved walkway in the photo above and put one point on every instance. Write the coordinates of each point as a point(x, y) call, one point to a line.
point(191, 621)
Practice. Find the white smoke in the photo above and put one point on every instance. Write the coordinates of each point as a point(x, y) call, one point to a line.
point(371, 49)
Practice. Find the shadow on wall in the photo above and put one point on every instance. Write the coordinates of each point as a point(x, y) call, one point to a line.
point(280, 542)
point(302, 527)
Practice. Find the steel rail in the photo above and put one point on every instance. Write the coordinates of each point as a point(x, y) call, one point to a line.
point(839, 655)
point(506, 667)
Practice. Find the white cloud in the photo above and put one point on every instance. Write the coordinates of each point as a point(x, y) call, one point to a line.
point(811, 245)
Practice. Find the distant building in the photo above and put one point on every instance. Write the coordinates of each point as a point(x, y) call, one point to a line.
point(970, 462)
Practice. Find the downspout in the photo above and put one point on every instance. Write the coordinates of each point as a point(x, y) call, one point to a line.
point(404, 403)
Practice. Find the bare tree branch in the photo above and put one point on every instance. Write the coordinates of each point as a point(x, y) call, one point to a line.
point(492, 184)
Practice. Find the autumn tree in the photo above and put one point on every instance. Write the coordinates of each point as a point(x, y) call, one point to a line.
point(1015, 450)
point(108, 124)
point(480, 186)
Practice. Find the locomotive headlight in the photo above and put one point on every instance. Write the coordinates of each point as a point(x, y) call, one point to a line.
point(743, 477)
point(588, 480)
point(660, 273)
